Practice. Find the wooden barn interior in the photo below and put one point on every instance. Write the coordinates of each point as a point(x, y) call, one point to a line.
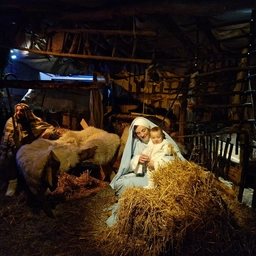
point(189, 66)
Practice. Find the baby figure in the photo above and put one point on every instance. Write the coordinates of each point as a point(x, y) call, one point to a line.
point(158, 150)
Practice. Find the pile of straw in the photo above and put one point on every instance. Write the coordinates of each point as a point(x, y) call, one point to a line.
point(184, 214)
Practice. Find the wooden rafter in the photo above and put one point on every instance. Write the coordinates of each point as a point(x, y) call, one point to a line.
point(40, 84)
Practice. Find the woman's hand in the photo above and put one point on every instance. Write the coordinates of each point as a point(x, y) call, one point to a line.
point(143, 159)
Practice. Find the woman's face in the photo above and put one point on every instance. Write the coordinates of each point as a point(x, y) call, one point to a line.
point(142, 133)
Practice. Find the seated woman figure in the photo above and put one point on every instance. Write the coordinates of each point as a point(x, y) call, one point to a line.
point(137, 141)
point(22, 128)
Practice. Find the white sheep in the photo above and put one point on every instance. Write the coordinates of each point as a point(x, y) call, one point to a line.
point(43, 160)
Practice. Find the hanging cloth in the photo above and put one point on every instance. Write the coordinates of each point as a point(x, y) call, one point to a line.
point(96, 109)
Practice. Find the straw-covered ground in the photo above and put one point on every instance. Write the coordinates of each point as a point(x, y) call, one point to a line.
point(187, 213)
point(76, 229)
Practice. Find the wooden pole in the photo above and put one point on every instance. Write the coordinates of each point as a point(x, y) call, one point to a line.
point(40, 84)
point(91, 57)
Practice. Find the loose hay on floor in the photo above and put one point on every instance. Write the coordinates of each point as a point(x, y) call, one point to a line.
point(186, 214)
point(78, 225)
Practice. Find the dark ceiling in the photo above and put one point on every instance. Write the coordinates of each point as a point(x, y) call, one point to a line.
point(78, 37)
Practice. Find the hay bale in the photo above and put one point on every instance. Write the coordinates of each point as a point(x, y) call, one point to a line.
point(184, 214)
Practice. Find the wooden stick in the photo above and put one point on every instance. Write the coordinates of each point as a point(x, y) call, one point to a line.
point(40, 84)
point(105, 32)
point(92, 57)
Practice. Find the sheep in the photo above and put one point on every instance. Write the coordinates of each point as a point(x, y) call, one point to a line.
point(43, 160)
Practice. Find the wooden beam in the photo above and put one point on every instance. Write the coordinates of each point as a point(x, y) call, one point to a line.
point(204, 25)
point(58, 10)
point(218, 71)
point(91, 57)
point(41, 84)
point(83, 11)
point(104, 32)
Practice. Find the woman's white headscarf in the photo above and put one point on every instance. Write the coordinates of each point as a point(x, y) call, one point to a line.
point(140, 121)
point(130, 145)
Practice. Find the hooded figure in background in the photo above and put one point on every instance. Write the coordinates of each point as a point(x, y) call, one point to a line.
point(137, 141)
point(22, 128)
